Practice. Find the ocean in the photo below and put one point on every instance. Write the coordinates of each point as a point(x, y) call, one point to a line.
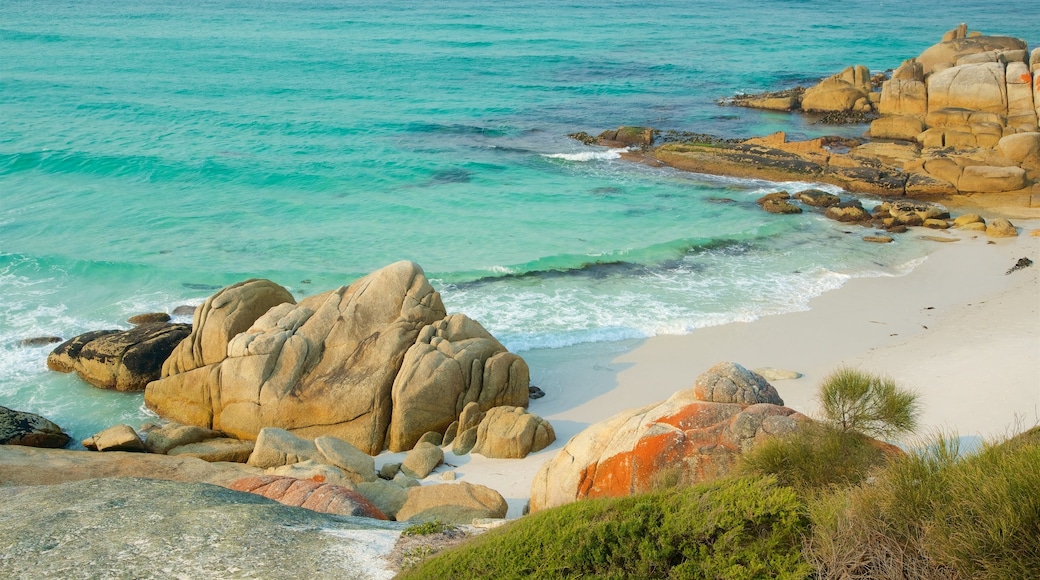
point(154, 152)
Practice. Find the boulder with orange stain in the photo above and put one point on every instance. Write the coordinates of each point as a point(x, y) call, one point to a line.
point(684, 436)
point(313, 495)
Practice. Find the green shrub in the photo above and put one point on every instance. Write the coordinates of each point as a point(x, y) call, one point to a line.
point(815, 456)
point(734, 528)
point(427, 528)
point(936, 514)
point(869, 404)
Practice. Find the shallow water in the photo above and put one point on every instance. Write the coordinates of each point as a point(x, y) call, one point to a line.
point(153, 152)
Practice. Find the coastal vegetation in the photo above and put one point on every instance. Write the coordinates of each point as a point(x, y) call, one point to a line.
point(827, 501)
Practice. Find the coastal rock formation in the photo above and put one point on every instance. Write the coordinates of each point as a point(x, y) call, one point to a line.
point(453, 503)
point(124, 360)
point(421, 460)
point(161, 529)
point(325, 498)
point(216, 449)
point(21, 428)
point(512, 433)
point(338, 363)
point(115, 438)
point(699, 439)
point(960, 110)
point(174, 434)
point(33, 466)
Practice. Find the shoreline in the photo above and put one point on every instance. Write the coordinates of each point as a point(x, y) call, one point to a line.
point(956, 329)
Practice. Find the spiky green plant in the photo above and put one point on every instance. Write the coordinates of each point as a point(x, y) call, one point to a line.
point(855, 401)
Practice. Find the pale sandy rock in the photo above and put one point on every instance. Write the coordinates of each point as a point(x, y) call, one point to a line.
point(116, 438)
point(32, 466)
point(455, 503)
point(1015, 55)
point(1022, 148)
point(936, 224)
point(313, 471)
point(879, 239)
point(989, 179)
point(174, 434)
point(29, 429)
point(979, 57)
point(1035, 233)
point(223, 449)
point(276, 447)
point(384, 495)
point(968, 218)
point(421, 460)
point(729, 382)
point(1022, 110)
point(913, 212)
point(389, 470)
point(404, 481)
point(358, 465)
point(905, 93)
point(449, 476)
point(465, 441)
point(627, 453)
point(1001, 228)
point(1034, 60)
point(220, 318)
point(512, 433)
point(322, 367)
point(973, 87)
point(470, 417)
point(845, 91)
point(450, 433)
point(974, 227)
point(960, 32)
point(431, 437)
point(453, 362)
point(946, 54)
point(904, 127)
point(817, 198)
point(781, 103)
point(775, 374)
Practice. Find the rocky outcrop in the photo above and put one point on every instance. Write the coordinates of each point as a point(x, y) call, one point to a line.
point(21, 428)
point(124, 360)
point(32, 466)
point(696, 439)
point(512, 433)
point(454, 503)
point(453, 362)
point(337, 363)
point(848, 90)
point(277, 447)
point(422, 460)
point(174, 434)
point(216, 449)
point(325, 498)
point(159, 529)
point(115, 438)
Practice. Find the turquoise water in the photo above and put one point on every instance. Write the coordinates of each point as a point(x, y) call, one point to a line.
point(152, 152)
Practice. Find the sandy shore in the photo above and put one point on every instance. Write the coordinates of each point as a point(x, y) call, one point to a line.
point(957, 330)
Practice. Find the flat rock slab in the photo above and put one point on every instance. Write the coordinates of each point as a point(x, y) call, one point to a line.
point(143, 528)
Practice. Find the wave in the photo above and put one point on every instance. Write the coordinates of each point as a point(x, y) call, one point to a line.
point(586, 156)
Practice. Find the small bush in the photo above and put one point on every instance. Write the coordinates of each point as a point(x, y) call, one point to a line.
point(815, 456)
point(426, 528)
point(936, 514)
point(864, 403)
point(735, 528)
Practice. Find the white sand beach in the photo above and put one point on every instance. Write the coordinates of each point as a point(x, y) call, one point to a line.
point(957, 330)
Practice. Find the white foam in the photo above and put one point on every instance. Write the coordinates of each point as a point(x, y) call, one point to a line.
point(585, 156)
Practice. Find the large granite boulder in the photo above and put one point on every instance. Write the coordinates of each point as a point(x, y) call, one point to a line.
point(453, 362)
point(422, 460)
point(124, 360)
point(972, 87)
point(512, 433)
point(905, 93)
point(848, 90)
point(174, 434)
point(222, 317)
point(699, 439)
point(144, 528)
point(336, 363)
point(21, 428)
point(454, 503)
point(316, 496)
point(946, 53)
point(728, 382)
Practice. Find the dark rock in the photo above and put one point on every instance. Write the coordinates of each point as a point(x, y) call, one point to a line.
point(39, 340)
point(775, 196)
point(1021, 263)
point(878, 239)
point(184, 310)
point(817, 198)
point(848, 211)
point(149, 317)
point(583, 137)
point(627, 137)
point(31, 430)
point(780, 206)
point(124, 360)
